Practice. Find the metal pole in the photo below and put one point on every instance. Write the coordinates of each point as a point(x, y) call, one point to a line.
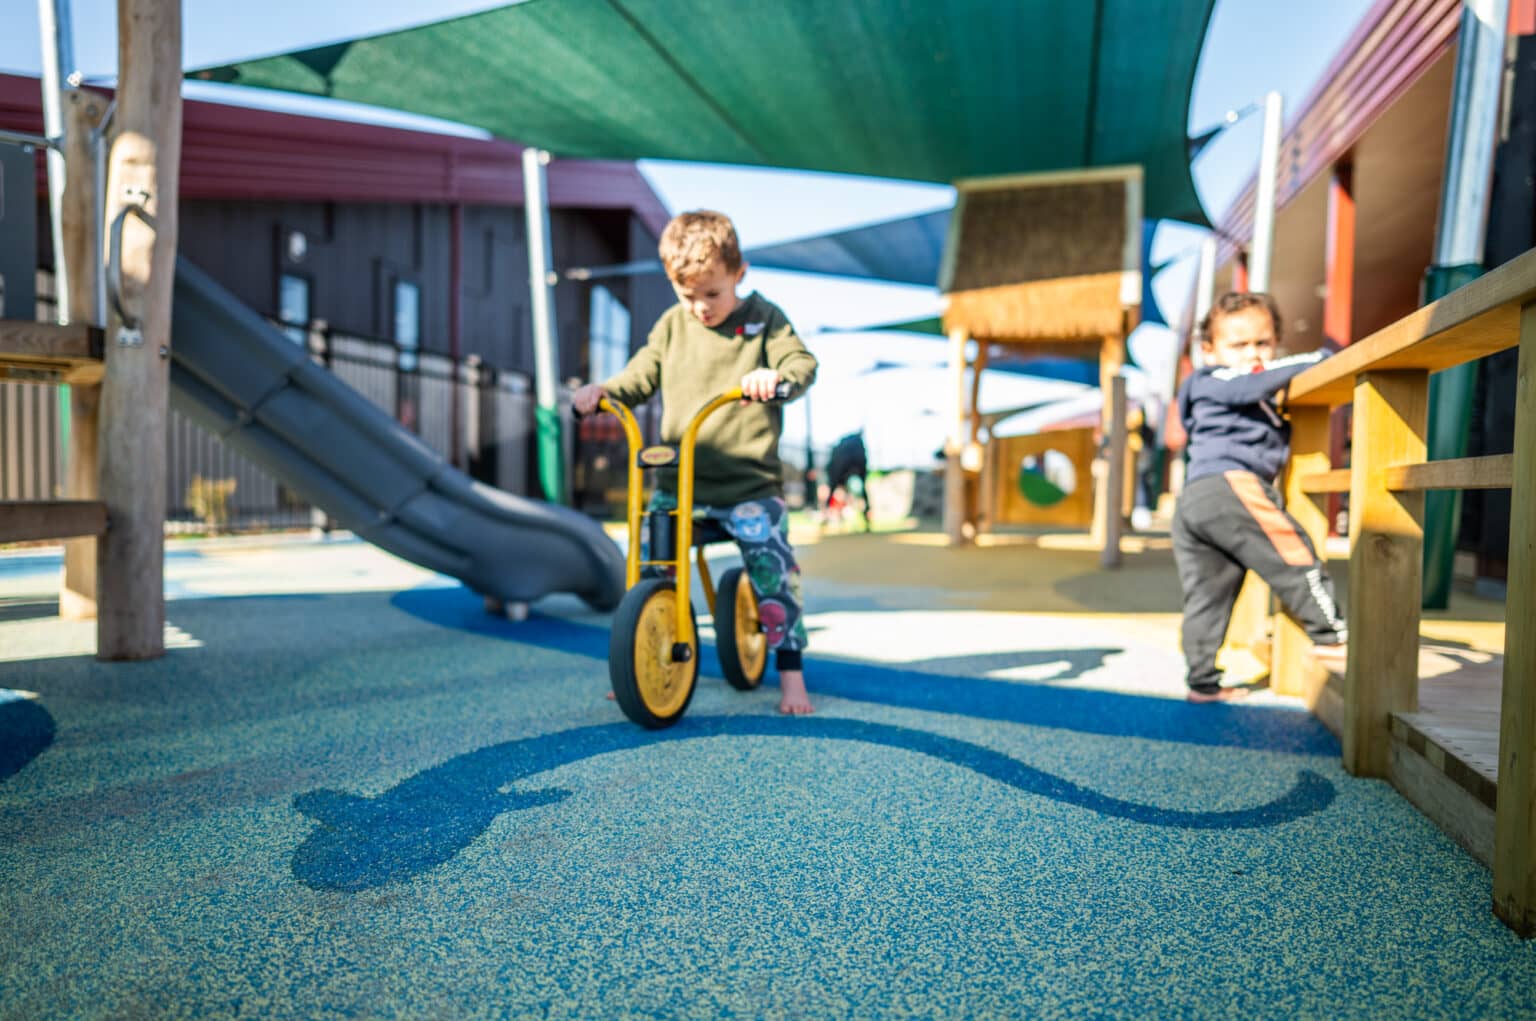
point(1473, 134)
point(546, 358)
point(1262, 256)
point(1471, 143)
point(812, 477)
point(1205, 297)
point(100, 142)
point(58, 63)
point(57, 39)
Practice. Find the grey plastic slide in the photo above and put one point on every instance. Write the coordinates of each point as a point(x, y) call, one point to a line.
point(237, 376)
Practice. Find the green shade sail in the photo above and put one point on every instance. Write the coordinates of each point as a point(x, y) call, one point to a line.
point(928, 90)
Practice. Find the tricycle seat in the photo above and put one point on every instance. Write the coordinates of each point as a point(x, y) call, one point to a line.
point(708, 531)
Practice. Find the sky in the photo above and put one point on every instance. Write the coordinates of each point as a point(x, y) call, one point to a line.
point(1252, 46)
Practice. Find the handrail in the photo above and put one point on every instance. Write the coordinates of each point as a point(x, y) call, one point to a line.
point(1472, 322)
point(23, 138)
point(633, 439)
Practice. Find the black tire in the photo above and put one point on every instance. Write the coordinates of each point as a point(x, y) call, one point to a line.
point(742, 646)
point(650, 688)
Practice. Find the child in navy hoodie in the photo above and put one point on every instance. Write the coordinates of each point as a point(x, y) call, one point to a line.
point(1229, 519)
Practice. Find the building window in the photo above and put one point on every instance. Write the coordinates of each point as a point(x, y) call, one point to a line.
point(608, 332)
point(407, 323)
point(293, 306)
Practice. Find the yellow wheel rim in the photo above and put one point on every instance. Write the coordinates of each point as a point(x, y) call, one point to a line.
point(664, 685)
point(751, 643)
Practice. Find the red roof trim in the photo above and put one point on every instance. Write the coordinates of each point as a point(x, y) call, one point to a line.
point(1395, 44)
point(236, 152)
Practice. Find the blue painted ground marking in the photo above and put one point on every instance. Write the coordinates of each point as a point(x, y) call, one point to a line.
point(26, 729)
point(426, 820)
point(1112, 714)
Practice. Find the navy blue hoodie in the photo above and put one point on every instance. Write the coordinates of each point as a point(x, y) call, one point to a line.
point(1232, 420)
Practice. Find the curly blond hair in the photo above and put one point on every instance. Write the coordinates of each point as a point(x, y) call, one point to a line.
point(694, 240)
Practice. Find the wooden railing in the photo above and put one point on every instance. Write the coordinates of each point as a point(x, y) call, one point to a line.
point(1386, 379)
point(48, 353)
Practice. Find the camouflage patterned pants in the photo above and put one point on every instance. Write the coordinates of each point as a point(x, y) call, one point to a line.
point(761, 531)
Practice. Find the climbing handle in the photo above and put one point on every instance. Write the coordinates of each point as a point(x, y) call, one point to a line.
point(131, 324)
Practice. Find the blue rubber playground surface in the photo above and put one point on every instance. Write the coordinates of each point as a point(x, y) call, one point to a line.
point(347, 791)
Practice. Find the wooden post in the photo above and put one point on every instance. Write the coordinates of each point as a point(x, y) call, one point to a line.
point(82, 257)
point(1106, 501)
point(1114, 475)
point(972, 456)
point(954, 475)
point(1293, 672)
point(1386, 542)
point(1514, 841)
point(145, 160)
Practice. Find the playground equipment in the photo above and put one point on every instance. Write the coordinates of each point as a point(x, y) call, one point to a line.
point(653, 652)
point(113, 186)
point(1045, 479)
point(1469, 769)
point(244, 380)
point(1049, 264)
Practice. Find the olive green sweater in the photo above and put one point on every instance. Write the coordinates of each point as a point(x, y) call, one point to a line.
point(737, 457)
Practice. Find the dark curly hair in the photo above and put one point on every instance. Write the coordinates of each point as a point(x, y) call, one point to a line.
point(1234, 302)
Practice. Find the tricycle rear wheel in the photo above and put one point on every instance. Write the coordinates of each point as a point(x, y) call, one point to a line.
point(739, 637)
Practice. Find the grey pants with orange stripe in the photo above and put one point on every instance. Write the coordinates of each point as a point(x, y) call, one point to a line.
point(1226, 525)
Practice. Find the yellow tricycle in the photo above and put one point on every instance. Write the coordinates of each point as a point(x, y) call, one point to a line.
point(653, 651)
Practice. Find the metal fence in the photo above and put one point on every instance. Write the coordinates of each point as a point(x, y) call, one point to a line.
point(493, 441)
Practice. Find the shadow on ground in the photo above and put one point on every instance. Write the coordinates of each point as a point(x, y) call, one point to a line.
point(426, 820)
point(1089, 712)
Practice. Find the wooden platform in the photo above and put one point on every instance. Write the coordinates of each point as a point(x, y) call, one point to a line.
point(32, 352)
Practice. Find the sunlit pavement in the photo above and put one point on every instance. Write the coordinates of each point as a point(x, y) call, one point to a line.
point(347, 790)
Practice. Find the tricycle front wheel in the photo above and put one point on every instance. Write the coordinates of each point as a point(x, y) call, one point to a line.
point(650, 682)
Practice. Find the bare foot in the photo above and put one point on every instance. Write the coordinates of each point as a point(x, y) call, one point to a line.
point(611, 696)
point(1333, 658)
point(793, 701)
point(1219, 695)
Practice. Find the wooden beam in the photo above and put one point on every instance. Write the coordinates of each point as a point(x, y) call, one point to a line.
point(1292, 670)
point(135, 391)
point(1471, 322)
point(49, 345)
point(1494, 472)
point(1386, 541)
point(1318, 482)
point(1514, 843)
point(83, 112)
point(954, 475)
point(39, 520)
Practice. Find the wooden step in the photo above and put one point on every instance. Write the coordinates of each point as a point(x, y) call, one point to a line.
point(32, 352)
point(1445, 757)
point(36, 520)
